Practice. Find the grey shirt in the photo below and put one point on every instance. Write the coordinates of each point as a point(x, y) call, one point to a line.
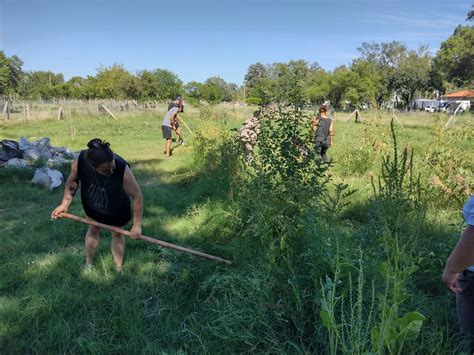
point(167, 120)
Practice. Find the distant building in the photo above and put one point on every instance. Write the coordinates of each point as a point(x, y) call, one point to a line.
point(464, 97)
point(460, 95)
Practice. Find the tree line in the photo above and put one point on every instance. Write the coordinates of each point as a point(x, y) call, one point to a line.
point(381, 71)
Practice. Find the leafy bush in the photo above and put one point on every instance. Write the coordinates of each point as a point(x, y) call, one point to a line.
point(311, 279)
point(451, 180)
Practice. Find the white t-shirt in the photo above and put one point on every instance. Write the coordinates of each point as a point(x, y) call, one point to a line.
point(468, 211)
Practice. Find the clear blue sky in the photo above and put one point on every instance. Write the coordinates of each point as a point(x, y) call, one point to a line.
point(197, 39)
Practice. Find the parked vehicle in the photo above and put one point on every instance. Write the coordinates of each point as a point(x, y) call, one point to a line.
point(430, 108)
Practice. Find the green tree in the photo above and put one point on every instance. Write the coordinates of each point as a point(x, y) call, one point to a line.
point(255, 73)
point(89, 89)
point(77, 87)
point(317, 85)
point(263, 93)
point(289, 81)
point(116, 82)
point(10, 73)
point(455, 59)
point(377, 64)
point(341, 81)
point(193, 90)
point(168, 84)
point(470, 14)
point(159, 84)
point(412, 74)
point(371, 82)
point(41, 84)
point(216, 90)
point(148, 83)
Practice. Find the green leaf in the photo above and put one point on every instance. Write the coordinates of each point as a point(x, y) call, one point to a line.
point(327, 319)
point(410, 325)
point(375, 338)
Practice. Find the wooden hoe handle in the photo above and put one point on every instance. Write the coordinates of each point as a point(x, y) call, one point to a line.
point(143, 237)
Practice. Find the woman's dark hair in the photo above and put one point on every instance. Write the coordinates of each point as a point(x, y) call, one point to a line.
point(323, 109)
point(99, 152)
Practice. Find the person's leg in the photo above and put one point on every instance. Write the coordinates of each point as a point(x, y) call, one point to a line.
point(118, 249)
point(317, 151)
point(168, 147)
point(324, 157)
point(167, 135)
point(92, 241)
point(465, 306)
point(178, 133)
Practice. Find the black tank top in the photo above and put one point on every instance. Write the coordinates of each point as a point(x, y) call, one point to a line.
point(322, 130)
point(103, 197)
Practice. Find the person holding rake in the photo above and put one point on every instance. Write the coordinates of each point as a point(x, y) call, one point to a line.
point(107, 184)
point(168, 125)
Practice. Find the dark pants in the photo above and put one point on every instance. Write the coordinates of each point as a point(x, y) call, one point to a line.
point(166, 132)
point(321, 150)
point(465, 305)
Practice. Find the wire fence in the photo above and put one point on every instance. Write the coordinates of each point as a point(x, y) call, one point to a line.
point(59, 109)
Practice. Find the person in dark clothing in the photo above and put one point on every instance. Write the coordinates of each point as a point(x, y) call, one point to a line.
point(458, 275)
point(323, 128)
point(107, 183)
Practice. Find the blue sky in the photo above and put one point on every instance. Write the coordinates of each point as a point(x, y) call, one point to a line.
point(203, 38)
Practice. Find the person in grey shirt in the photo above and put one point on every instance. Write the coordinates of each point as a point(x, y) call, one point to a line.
point(167, 125)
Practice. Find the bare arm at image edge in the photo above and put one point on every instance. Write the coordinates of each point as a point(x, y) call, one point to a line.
point(461, 257)
point(133, 190)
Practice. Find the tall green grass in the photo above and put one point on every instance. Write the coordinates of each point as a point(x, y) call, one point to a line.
point(324, 262)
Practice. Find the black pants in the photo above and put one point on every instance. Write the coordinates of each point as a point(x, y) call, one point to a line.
point(465, 305)
point(321, 150)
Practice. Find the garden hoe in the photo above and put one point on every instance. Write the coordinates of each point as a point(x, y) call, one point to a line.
point(185, 125)
point(148, 239)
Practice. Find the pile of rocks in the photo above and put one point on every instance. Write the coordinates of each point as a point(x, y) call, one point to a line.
point(24, 154)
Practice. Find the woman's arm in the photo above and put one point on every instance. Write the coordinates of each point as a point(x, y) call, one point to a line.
point(70, 189)
point(133, 190)
point(461, 257)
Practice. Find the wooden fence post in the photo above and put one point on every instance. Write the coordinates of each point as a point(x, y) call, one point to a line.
point(6, 109)
point(109, 112)
point(60, 112)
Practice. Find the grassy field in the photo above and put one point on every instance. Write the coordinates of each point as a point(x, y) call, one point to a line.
point(361, 274)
